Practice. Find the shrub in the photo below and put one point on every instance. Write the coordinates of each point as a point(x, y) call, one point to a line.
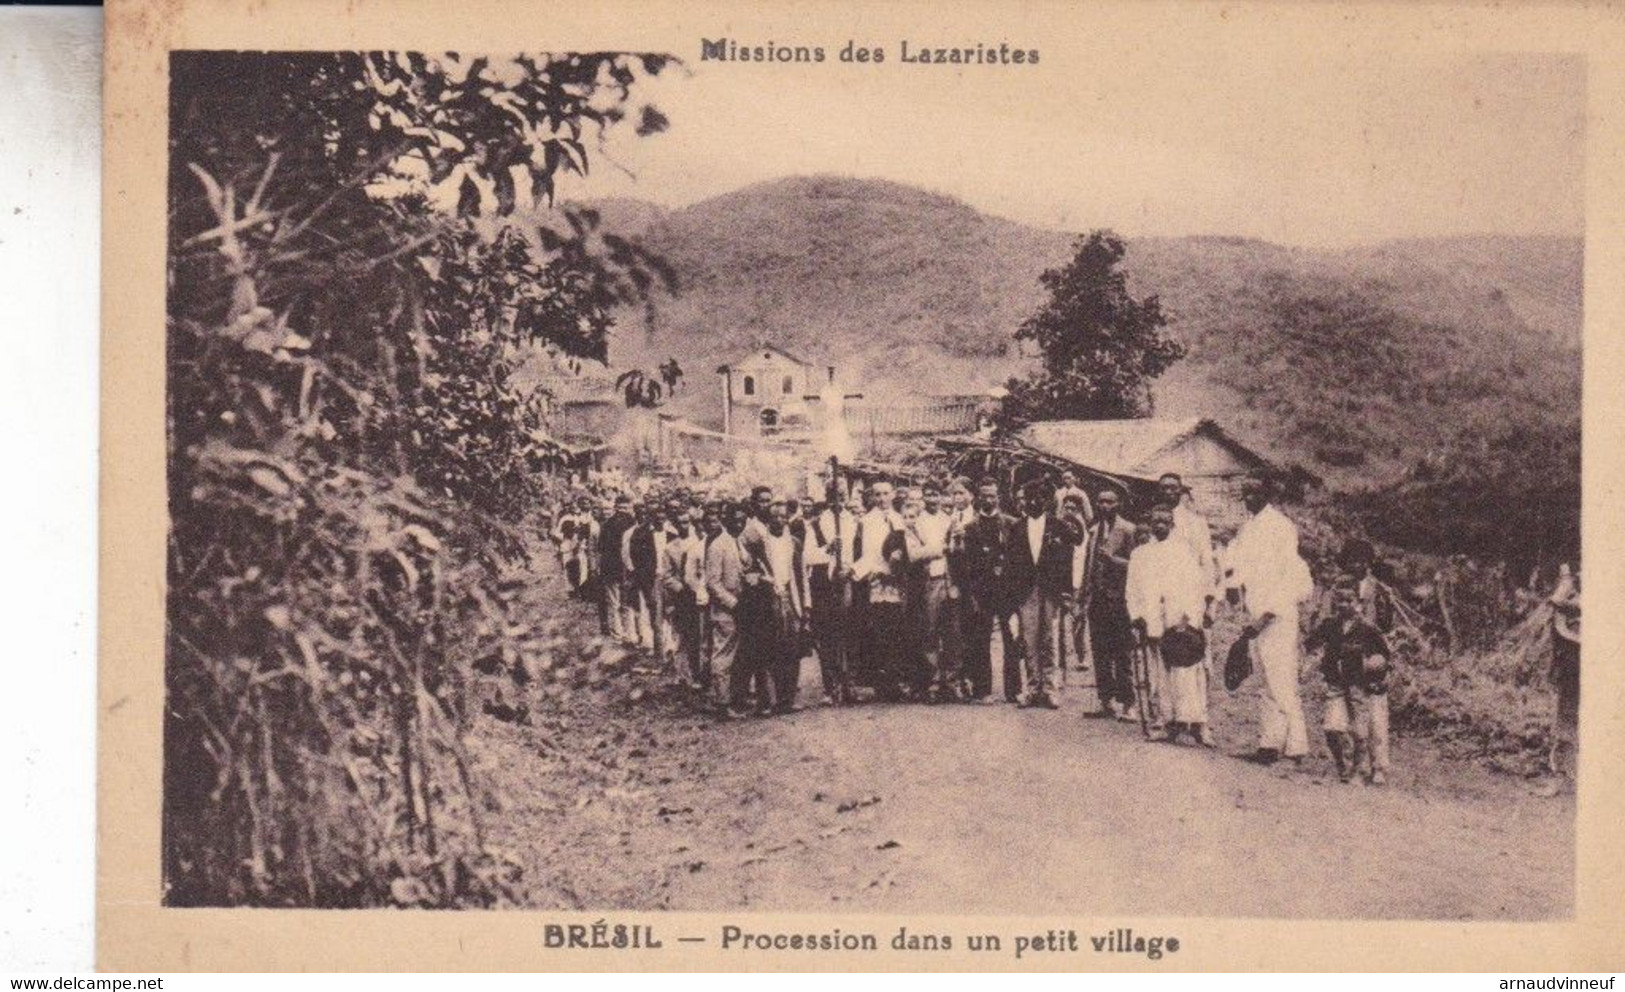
point(350, 460)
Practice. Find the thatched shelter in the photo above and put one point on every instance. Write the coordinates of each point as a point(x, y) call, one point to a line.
point(1128, 454)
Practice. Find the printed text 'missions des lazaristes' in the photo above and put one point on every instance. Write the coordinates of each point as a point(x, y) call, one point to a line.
point(914, 53)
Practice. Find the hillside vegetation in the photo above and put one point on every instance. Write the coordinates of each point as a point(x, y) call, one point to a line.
point(1409, 374)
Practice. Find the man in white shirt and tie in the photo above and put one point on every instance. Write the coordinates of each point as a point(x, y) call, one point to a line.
point(684, 579)
point(1039, 578)
point(780, 563)
point(1068, 490)
point(868, 561)
point(827, 555)
point(938, 636)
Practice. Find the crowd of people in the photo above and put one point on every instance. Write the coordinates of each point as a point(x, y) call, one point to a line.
point(901, 592)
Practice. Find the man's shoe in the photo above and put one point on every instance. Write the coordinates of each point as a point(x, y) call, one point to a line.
point(1264, 756)
point(1379, 777)
point(1048, 703)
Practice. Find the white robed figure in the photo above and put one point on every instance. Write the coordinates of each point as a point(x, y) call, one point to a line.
point(1263, 571)
point(1191, 528)
point(1168, 591)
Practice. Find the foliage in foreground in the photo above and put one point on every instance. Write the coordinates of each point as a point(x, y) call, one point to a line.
point(349, 457)
point(1493, 703)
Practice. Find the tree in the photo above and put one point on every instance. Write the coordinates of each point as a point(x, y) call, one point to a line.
point(302, 189)
point(639, 389)
point(1100, 347)
point(1506, 491)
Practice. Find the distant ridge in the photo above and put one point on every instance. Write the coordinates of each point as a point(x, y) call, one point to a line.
point(1356, 362)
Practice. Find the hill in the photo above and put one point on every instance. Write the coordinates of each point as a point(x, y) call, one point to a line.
point(1540, 278)
point(884, 276)
point(1365, 365)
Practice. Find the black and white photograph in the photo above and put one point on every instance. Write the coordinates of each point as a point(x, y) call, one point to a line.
point(588, 493)
point(746, 490)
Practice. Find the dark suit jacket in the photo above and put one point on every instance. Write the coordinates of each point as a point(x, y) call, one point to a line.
point(609, 545)
point(722, 572)
point(1052, 572)
point(1108, 568)
point(645, 566)
point(983, 562)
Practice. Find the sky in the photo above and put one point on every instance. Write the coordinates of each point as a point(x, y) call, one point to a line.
point(1312, 149)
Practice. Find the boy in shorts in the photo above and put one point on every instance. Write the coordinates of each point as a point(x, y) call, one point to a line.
point(1355, 662)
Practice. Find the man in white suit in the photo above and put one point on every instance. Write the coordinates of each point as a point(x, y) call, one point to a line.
point(1263, 572)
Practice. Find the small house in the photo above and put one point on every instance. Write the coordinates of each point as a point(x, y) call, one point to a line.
point(1128, 454)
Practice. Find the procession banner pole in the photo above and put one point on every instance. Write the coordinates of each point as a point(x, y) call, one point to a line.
point(1142, 678)
point(842, 587)
point(837, 443)
point(833, 495)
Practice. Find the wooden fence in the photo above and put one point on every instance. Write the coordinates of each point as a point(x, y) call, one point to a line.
point(866, 420)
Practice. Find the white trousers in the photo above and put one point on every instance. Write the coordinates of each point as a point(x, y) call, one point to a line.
point(1281, 725)
point(1182, 693)
point(1364, 716)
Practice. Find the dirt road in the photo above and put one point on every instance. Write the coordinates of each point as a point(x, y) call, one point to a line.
point(616, 796)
